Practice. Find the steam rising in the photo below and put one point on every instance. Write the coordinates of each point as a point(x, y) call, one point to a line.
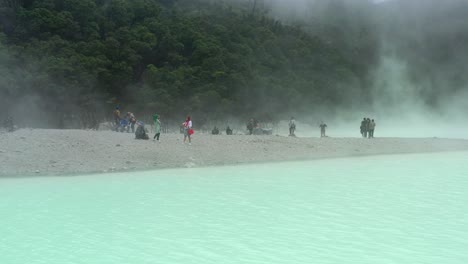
point(420, 83)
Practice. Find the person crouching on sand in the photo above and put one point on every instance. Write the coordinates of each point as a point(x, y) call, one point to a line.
point(157, 127)
point(141, 132)
point(188, 130)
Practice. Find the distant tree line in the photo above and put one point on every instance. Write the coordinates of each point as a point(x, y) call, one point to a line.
point(167, 56)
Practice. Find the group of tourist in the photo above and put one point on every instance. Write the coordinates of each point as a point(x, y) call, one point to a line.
point(367, 127)
point(128, 122)
point(124, 123)
point(215, 131)
point(292, 128)
point(251, 125)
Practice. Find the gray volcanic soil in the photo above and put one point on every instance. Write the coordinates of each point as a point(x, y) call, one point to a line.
point(64, 152)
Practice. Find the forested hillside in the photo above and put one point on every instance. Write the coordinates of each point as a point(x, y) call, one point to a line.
point(66, 57)
point(62, 60)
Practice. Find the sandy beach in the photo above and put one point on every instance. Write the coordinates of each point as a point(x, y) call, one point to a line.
point(66, 152)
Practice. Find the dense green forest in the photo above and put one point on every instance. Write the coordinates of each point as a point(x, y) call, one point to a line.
point(204, 58)
point(62, 60)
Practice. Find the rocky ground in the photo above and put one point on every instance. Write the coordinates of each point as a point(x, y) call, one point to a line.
point(66, 152)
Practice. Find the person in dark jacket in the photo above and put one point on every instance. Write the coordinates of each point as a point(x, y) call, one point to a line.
point(141, 132)
point(323, 128)
point(250, 126)
point(117, 118)
point(371, 128)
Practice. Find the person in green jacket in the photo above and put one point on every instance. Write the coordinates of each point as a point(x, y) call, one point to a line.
point(157, 127)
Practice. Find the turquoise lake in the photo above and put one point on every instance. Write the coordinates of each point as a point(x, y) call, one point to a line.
point(384, 209)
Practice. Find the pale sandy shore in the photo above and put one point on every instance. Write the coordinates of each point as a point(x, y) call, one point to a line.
point(66, 152)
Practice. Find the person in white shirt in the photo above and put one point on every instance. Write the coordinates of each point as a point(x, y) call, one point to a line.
point(188, 130)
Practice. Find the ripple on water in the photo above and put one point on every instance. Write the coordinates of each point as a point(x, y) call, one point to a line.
point(389, 209)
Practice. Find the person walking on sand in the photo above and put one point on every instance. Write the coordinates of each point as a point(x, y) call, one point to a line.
point(117, 117)
point(157, 127)
point(250, 126)
point(371, 128)
point(187, 125)
point(292, 127)
point(364, 127)
point(323, 127)
point(131, 120)
point(367, 127)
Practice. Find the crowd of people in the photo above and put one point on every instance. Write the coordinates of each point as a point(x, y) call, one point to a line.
point(128, 122)
point(367, 127)
point(216, 131)
point(125, 123)
point(292, 128)
point(254, 128)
